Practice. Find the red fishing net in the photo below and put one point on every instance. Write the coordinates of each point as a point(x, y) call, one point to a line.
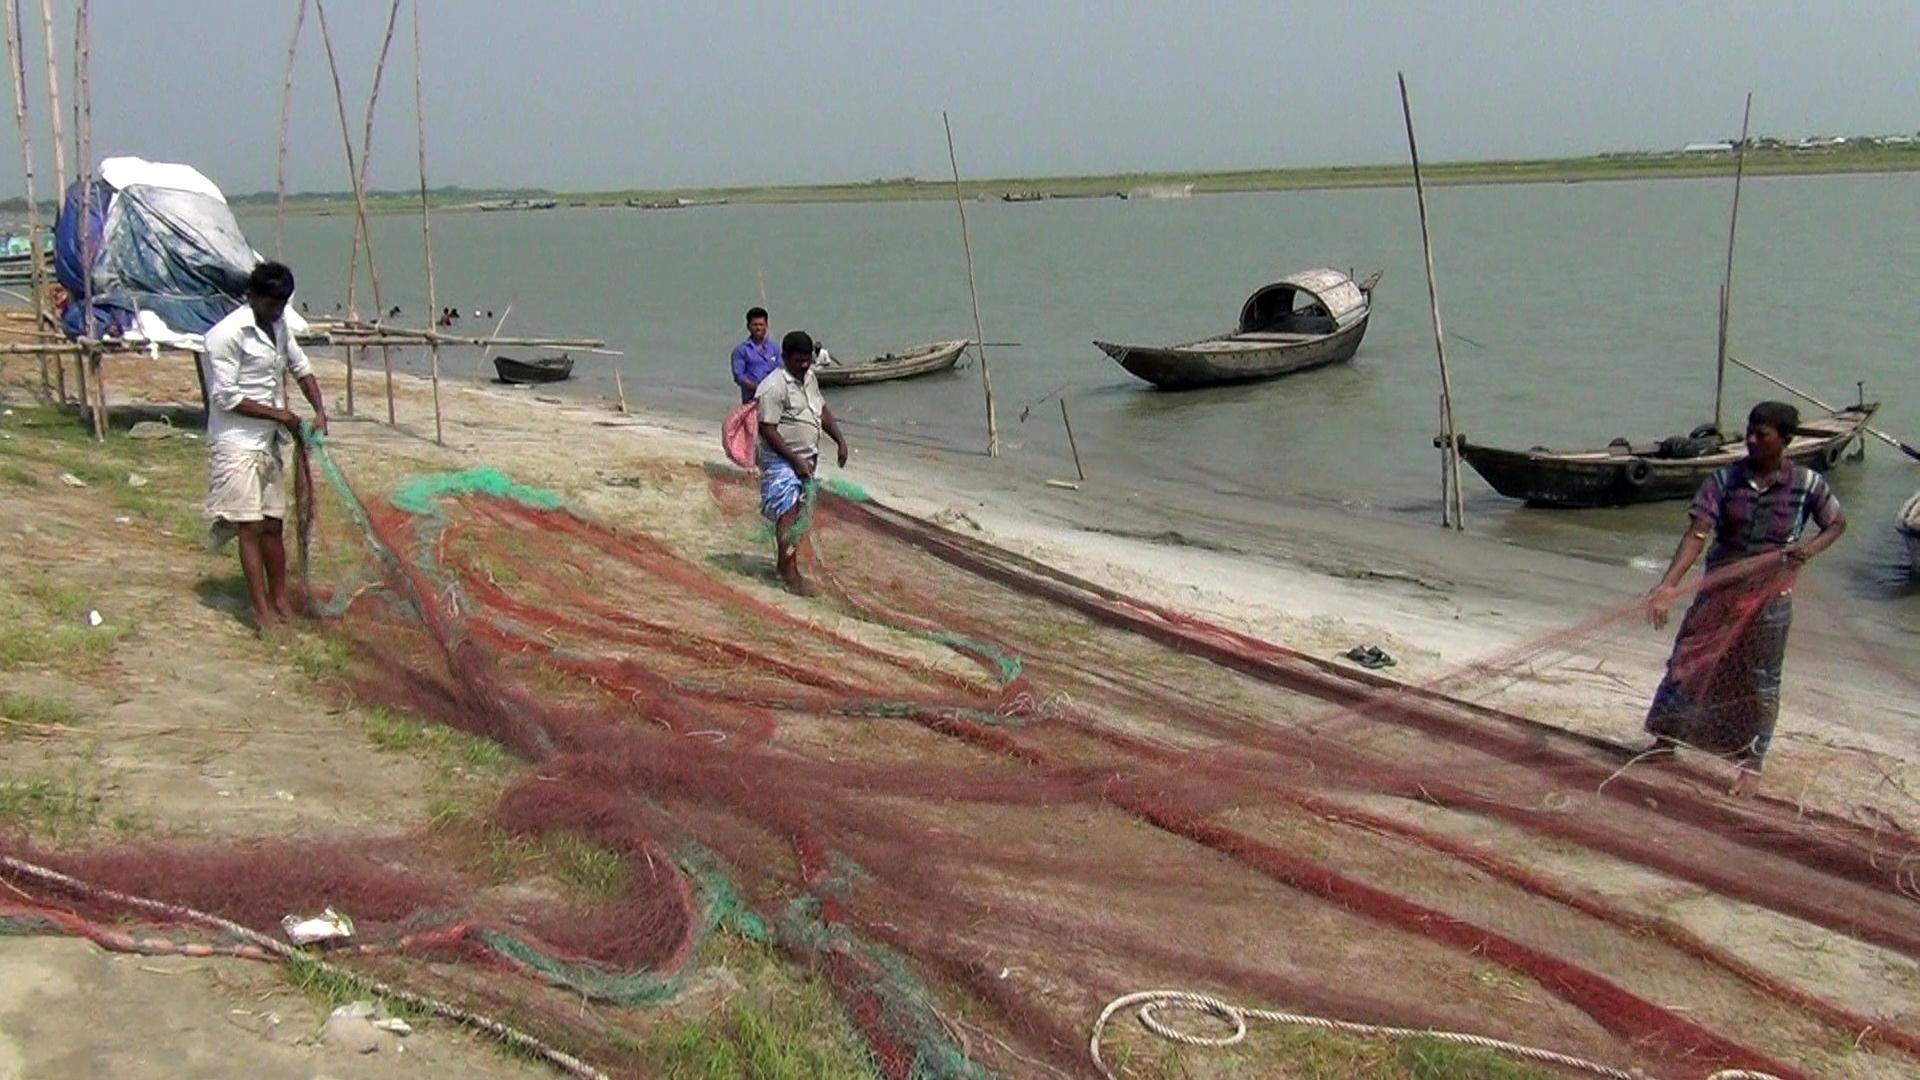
point(984, 798)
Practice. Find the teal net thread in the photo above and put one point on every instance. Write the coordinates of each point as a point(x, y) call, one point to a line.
point(906, 1009)
point(422, 494)
point(721, 907)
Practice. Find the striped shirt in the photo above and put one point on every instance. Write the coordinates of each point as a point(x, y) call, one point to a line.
point(1751, 515)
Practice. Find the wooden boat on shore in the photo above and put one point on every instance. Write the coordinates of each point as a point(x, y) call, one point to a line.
point(1624, 473)
point(1909, 526)
point(918, 360)
point(1303, 321)
point(540, 369)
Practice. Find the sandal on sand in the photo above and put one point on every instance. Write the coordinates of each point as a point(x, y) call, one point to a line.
point(1371, 657)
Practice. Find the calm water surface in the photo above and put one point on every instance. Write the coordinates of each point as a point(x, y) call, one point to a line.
point(1575, 313)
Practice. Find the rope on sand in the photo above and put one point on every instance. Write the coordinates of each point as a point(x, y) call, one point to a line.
point(1148, 1002)
point(177, 912)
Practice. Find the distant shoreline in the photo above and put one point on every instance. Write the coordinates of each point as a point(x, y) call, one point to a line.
point(1648, 166)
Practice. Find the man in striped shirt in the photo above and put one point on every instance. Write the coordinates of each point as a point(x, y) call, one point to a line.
point(1721, 692)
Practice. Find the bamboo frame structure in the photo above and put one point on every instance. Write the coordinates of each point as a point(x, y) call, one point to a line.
point(979, 335)
point(90, 351)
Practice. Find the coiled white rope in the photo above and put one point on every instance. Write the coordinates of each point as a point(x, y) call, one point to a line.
point(1149, 1002)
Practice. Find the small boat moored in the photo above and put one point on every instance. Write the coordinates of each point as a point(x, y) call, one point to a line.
point(541, 369)
point(1303, 321)
point(1909, 526)
point(918, 360)
point(1623, 473)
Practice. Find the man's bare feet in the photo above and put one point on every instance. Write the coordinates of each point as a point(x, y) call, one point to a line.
point(1744, 785)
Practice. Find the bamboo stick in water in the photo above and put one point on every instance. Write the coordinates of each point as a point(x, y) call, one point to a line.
point(1454, 512)
point(979, 335)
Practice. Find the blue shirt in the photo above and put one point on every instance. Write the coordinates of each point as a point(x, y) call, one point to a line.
point(751, 363)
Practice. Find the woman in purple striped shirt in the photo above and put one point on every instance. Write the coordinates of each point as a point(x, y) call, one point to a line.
point(1721, 692)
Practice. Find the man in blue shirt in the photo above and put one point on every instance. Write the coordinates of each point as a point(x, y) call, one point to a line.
point(755, 358)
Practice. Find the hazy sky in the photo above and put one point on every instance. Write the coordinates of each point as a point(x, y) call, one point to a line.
point(618, 93)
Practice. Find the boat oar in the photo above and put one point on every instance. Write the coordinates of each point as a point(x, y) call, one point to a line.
point(1818, 404)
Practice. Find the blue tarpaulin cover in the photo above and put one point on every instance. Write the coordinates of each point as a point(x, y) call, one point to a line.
point(157, 238)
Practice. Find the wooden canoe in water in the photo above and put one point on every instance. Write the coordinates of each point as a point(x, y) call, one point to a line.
point(543, 369)
point(1625, 473)
point(919, 360)
point(1301, 322)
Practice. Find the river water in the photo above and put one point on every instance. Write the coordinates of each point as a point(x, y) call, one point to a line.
point(1575, 313)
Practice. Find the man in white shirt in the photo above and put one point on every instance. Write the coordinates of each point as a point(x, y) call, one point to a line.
point(247, 353)
point(792, 415)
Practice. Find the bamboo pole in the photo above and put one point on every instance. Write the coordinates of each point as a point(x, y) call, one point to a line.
point(979, 335)
point(620, 389)
point(480, 365)
point(1453, 511)
point(53, 99)
point(17, 68)
point(1726, 289)
point(286, 118)
point(401, 337)
point(359, 202)
point(1071, 445)
point(366, 229)
point(59, 170)
point(1897, 444)
point(85, 133)
point(426, 220)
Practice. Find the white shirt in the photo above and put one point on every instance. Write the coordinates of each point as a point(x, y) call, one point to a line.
point(796, 407)
point(244, 363)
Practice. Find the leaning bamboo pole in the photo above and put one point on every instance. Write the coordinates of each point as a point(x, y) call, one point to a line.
point(286, 118)
point(979, 335)
point(17, 67)
point(364, 230)
point(53, 98)
point(1453, 511)
point(426, 219)
point(1726, 287)
point(359, 196)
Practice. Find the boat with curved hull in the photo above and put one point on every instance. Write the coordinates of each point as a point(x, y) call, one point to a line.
point(1622, 474)
point(918, 360)
point(1301, 322)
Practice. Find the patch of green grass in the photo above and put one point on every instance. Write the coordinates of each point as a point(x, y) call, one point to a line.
point(47, 629)
point(49, 808)
point(404, 734)
point(316, 656)
point(33, 710)
point(58, 598)
point(333, 987)
point(781, 1027)
point(1431, 1059)
point(590, 872)
point(15, 474)
point(1302, 1054)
